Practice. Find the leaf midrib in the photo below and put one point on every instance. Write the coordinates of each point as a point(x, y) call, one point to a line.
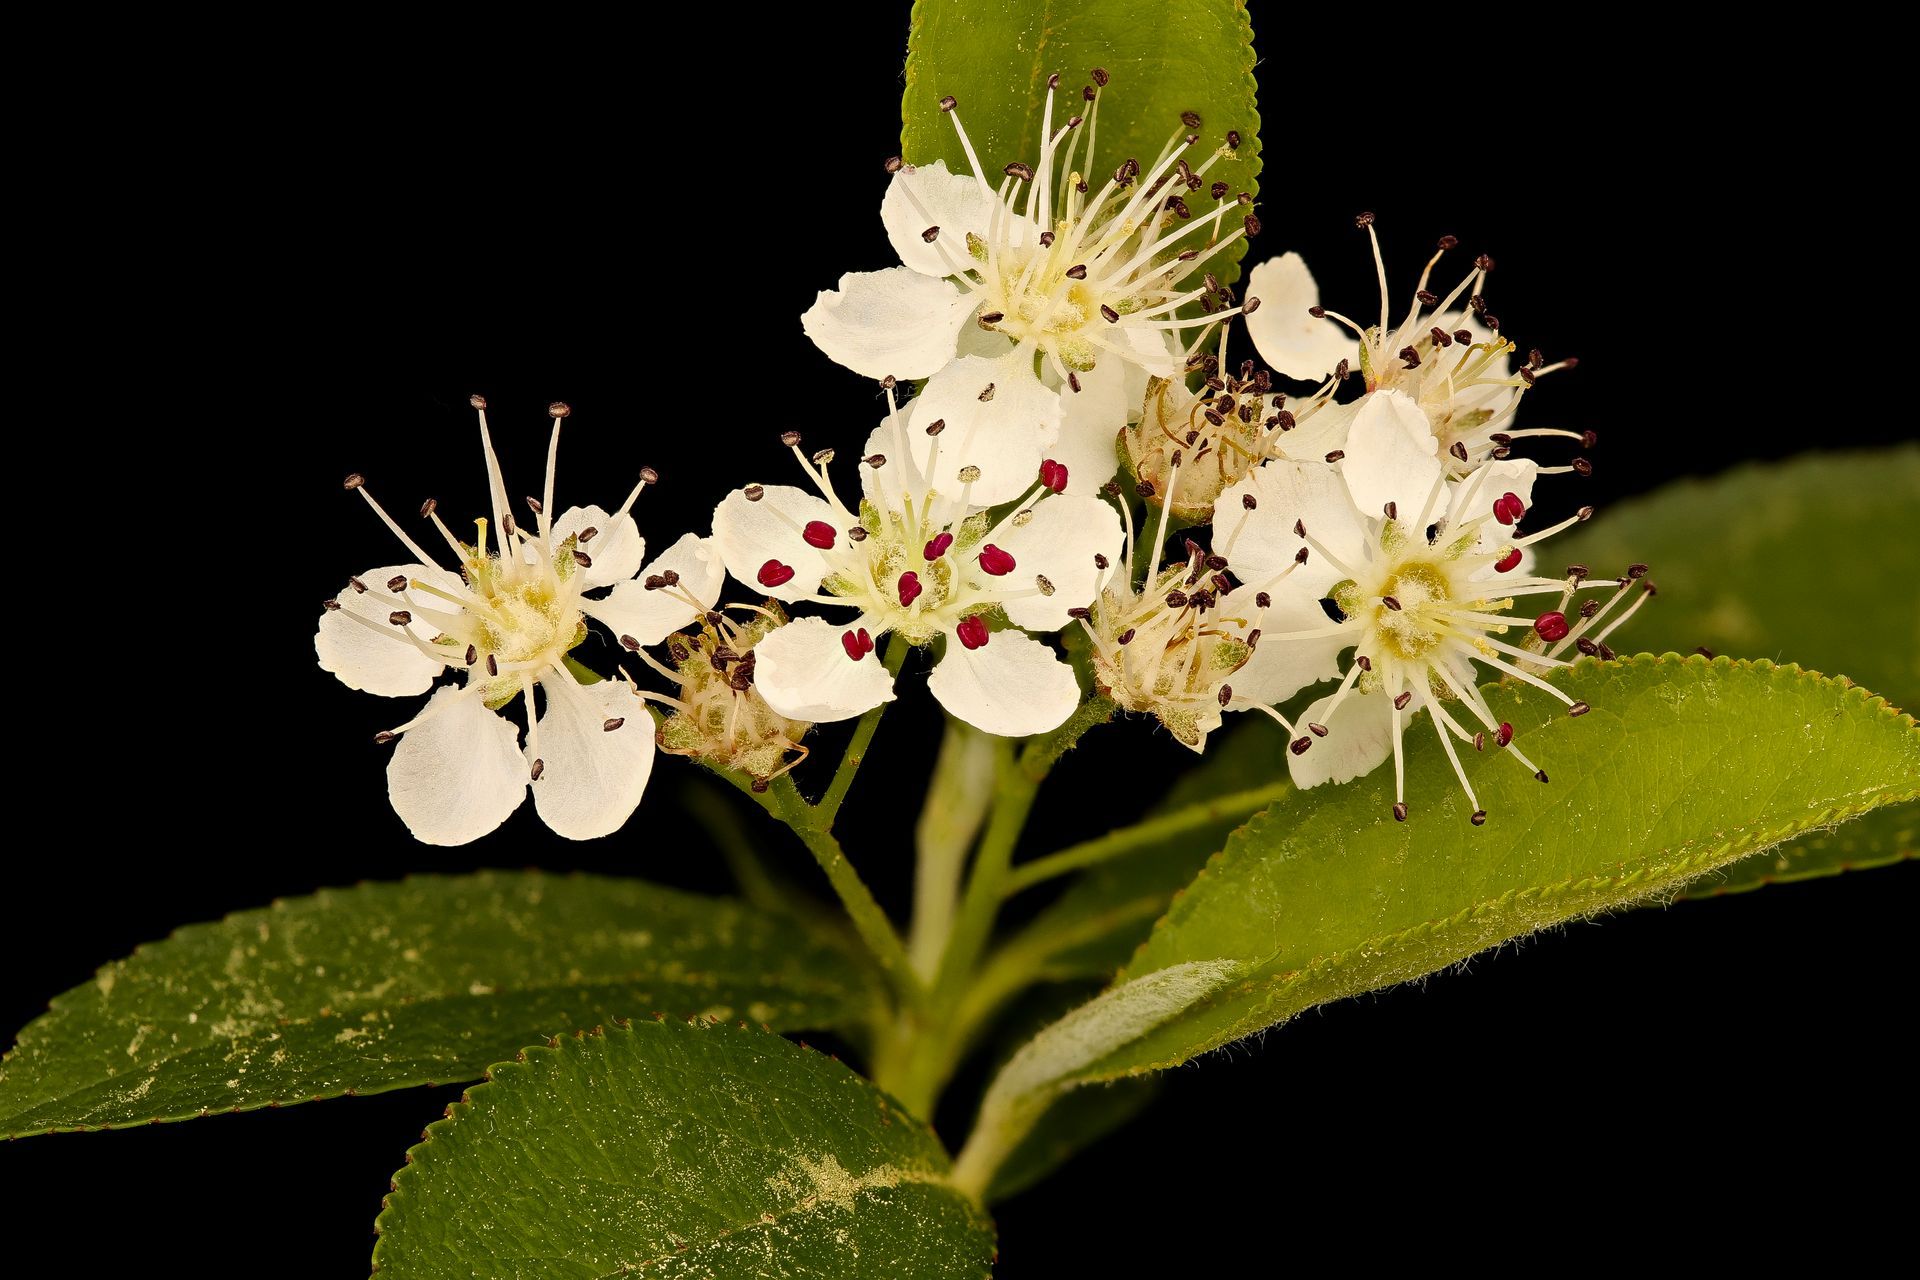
point(96, 1085)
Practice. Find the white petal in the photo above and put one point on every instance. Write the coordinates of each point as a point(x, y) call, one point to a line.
point(1280, 667)
point(1059, 543)
point(1148, 352)
point(651, 616)
point(1260, 544)
point(594, 775)
point(1005, 435)
point(1475, 496)
point(1091, 420)
point(926, 196)
point(1392, 455)
point(803, 672)
point(1295, 343)
point(1323, 431)
point(895, 322)
point(1088, 447)
point(458, 775)
point(1012, 686)
point(749, 534)
point(615, 549)
point(385, 664)
point(1359, 739)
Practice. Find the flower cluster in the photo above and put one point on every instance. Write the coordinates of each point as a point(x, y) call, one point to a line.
point(1060, 329)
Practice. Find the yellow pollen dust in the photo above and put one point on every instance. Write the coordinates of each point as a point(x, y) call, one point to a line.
point(1413, 630)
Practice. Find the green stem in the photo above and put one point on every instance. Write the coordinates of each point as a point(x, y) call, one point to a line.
point(782, 800)
point(916, 1061)
point(958, 798)
point(829, 807)
point(1193, 817)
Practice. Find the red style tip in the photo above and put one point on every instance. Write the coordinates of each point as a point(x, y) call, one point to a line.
point(995, 561)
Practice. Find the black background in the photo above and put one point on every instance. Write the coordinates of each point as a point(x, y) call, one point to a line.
point(396, 231)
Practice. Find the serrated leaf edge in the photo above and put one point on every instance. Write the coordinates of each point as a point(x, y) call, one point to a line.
point(529, 1061)
point(281, 903)
point(1649, 868)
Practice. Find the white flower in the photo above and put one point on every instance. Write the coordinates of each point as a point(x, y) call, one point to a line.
point(1185, 646)
point(1413, 570)
point(1072, 284)
point(504, 624)
point(1191, 443)
point(1444, 354)
point(921, 560)
point(720, 716)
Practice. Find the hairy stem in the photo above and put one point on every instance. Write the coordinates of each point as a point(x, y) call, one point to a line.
point(829, 807)
point(1193, 817)
point(957, 802)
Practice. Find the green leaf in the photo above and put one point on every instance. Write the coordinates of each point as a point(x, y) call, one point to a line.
point(1810, 559)
point(1885, 836)
point(387, 985)
point(1092, 929)
point(677, 1150)
point(1046, 1066)
point(1682, 767)
point(1078, 1120)
point(995, 57)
